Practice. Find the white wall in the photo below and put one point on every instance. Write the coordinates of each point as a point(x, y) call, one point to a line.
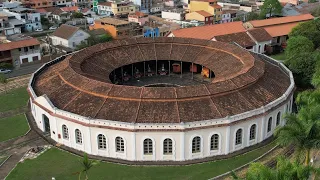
point(171, 15)
point(30, 56)
point(72, 42)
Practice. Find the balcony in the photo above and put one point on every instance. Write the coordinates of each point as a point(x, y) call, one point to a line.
point(30, 51)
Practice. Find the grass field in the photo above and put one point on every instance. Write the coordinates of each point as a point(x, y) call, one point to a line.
point(281, 56)
point(13, 99)
point(13, 127)
point(62, 165)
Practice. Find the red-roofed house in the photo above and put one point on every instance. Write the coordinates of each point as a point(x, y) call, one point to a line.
point(279, 28)
point(202, 16)
point(210, 6)
point(138, 17)
point(20, 52)
point(70, 9)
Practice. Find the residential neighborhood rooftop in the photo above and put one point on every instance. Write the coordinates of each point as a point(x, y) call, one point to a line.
point(65, 31)
point(113, 21)
point(281, 20)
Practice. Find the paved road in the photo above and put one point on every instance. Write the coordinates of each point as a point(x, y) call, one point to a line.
point(24, 70)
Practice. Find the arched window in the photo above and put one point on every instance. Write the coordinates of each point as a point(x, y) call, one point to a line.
point(269, 124)
point(252, 135)
point(278, 118)
point(147, 146)
point(119, 144)
point(196, 144)
point(102, 143)
point(239, 137)
point(214, 145)
point(167, 146)
point(78, 136)
point(65, 132)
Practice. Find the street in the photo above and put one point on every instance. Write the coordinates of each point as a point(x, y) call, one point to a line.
point(24, 70)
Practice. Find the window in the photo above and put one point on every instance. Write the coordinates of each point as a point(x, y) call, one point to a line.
point(25, 49)
point(269, 124)
point(239, 137)
point(35, 58)
point(31, 47)
point(147, 147)
point(65, 132)
point(25, 60)
point(78, 136)
point(119, 144)
point(73, 44)
point(278, 118)
point(167, 146)
point(252, 135)
point(102, 144)
point(214, 145)
point(196, 142)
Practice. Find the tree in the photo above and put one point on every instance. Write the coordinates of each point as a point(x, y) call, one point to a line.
point(76, 15)
point(86, 165)
point(302, 130)
point(252, 16)
point(4, 81)
point(316, 11)
point(284, 170)
point(93, 40)
point(270, 7)
point(298, 45)
point(309, 29)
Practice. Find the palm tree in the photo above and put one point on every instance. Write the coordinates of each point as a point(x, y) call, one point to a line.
point(86, 165)
point(302, 130)
point(283, 171)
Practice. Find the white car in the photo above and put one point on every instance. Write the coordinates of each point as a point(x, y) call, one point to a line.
point(53, 28)
point(5, 71)
point(39, 30)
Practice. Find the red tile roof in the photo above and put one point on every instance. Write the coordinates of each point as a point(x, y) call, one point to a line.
point(19, 44)
point(70, 9)
point(208, 32)
point(65, 31)
point(281, 20)
point(41, 10)
point(280, 30)
point(260, 34)
point(105, 3)
point(241, 38)
point(204, 13)
point(216, 6)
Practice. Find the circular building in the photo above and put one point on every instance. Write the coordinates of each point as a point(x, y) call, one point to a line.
point(162, 99)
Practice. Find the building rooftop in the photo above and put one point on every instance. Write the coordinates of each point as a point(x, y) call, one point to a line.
point(281, 20)
point(260, 34)
point(65, 31)
point(105, 4)
point(113, 21)
point(19, 44)
point(204, 13)
point(210, 31)
point(242, 82)
point(241, 38)
point(280, 30)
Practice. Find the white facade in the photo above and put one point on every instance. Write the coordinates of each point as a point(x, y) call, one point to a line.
point(30, 56)
point(134, 146)
point(104, 10)
point(173, 15)
point(72, 42)
point(226, 18)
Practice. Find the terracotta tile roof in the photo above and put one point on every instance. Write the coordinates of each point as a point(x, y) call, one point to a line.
point(138, 14)
point(105, 4)
point(19, 44)
point(208, 32)
point(205, 0)
point(70, 9)
point(241, 38)
point(281, 20)
point(65, 31)
point(280, 30)
point(216, 6)
point(204, 13)
point(243, 82)
point(113, 21)
point(260, 34)
point(41, 10)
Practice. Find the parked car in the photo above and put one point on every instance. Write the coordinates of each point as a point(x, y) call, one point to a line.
point(39, 30)
point(5, 71)
point(53, 28)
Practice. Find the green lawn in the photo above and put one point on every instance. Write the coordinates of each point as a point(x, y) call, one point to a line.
point(13, 99)
point(62, 165)
point(13, 127)
point(281, 56)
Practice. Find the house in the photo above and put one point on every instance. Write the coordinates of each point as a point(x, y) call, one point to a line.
point(104, 8)
point(19, 50)
point(279, 28)
point(261, 38)
point(31, 18)
point(202, 16)
point(123, 8)
point(138, 17)
point(210, 6)
point(39, 3)
point(157, 8)
point(68, 36)
point(243, 6)
point(10, 23)
point(158, 27)
point(303, 8)
point(233, 32)
point(228, 16)
point(58, 14)
point(117, 28)
point(63, 3)
point(145, 5)
point(173, 14)
point(70, 9)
